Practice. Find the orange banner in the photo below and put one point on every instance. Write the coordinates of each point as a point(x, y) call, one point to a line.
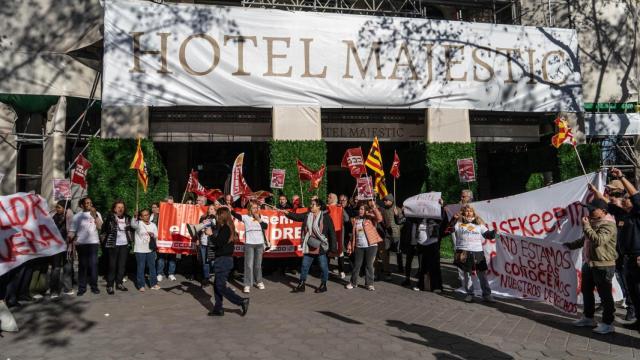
point(285, 235)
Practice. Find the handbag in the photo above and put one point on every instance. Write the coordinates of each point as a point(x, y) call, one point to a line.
point(152, 243)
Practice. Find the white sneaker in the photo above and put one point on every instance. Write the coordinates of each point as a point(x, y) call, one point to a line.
point(371, 288)
point(246, 290)
point(159, 277)
point(342, 275)
point(604, 329)
point(37, 297)
point(260, 286)
point(488, 298)
point(349, 286)
point(69, 293)
point(585, 322)
point(172, 278)
point(124, 280)
point(54, 296)
point(468, 298)
point(415, 288)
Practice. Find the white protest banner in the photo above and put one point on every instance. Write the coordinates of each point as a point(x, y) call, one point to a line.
point(62, 189)
point(552, 213)
point(425, 205)
point(26, 230)
point(164, 54)
point(277, 178)
point(536, 269)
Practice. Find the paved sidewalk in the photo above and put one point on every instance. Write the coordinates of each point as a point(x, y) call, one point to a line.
point(390, 323)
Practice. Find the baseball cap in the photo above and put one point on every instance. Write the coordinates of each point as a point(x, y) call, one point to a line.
point(615, 186)
point(597, 204)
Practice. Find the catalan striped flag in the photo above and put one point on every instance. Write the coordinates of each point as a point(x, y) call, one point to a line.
point(374, 162)
point(139, 165)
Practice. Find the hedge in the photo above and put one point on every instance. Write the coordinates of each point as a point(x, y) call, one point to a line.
point(311, 153)
point(568, 165)
point(536, 181)
point(110, 177)
point(442, 169)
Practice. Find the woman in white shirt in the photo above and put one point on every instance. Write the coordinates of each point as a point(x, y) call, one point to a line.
point(254, 245)
point(145, 249)
point(470, 232)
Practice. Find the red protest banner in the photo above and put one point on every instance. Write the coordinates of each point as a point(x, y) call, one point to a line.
point(79, 174)
point(285, 235)
point(466, 170)
point(26, 230)
point(61, 189)
point(365, 188)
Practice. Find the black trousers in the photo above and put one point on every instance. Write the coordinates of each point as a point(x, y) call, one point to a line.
point(61, 273)
point(632, 280)
point(430, 266)
point(600, 278)
point(117, 264)
point(411, 252)
point(87, 266)
point(15, 284)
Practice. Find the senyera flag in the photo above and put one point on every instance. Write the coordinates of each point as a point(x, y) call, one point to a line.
point(564, 135)
point(140, 166)
point(79, 175)
point(354, 160)
point(395, 166)
point(374, 162)
point(26, 230)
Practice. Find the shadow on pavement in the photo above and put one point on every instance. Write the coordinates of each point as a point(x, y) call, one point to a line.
point(55, 322)
point(194, 290)
point(456, 347)
point(339, 317)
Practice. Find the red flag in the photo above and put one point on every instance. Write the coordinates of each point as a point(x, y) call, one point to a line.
point(239, 187)
point(354, 160)
point(140, 166)
point(316, 178)
point(80, 172)
point(194, 186)
point(304, 173)
point(395, 166)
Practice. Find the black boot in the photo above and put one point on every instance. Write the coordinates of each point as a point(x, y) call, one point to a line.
point(299, 288)
point(322, 288)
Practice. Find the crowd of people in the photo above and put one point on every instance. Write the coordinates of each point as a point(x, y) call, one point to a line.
point(372, 232)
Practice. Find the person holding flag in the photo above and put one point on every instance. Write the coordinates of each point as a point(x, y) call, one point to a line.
point(374, 162)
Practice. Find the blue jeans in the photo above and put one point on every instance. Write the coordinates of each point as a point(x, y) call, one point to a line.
point(171, 258)
point(223, 266)
point(307, 260)
point(207, 267)
point(148, 260)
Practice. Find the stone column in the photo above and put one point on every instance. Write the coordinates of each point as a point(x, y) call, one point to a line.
point(125, 122)
point(8, 150)
point(54, 148)
point(296, 123)
point(447, 125)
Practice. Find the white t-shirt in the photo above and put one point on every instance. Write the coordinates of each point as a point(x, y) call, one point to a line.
point(84, 228)
point(121, 238)
point(361, 237)
point(252, 231)
point(469, 236)
point(142, 237)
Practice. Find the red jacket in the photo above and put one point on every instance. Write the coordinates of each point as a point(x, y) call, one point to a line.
point(370, 232)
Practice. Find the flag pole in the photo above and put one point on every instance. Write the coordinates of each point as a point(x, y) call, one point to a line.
point(394, 188)
point(581, 164)
point(301, 192)
point(137, 187)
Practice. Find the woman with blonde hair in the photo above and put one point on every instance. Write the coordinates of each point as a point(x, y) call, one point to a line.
point(470, 232)
point(255, 244)
point(223, 248)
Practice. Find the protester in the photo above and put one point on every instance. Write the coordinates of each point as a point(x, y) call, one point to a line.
point(83, 233)
point(332, 200)
point(622, 208)
point(146, 233)
point(223, 247)
point(318, 238)
point(427, 233)
point(392, 235)
point(208, 220)
point(255, 244)
point(409, 247)
point(598, 269)
point(283, 202)
point(470, 230)
point(364, 243)
point(155, 213)
point(117, 232)
point(62, 263)
point(228, 200)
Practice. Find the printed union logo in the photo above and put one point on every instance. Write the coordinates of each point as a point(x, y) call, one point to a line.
point(354, 160)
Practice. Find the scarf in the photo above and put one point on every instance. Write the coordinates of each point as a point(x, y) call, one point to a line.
point(313, 230)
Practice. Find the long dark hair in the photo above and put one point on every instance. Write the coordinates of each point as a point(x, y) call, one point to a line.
point(224, 219)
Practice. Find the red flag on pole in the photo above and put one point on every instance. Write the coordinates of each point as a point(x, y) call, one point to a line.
point(80, 172)
point(316, 178)
point(395, 166)
point(239, 187)
point(306, 174)
point(354, 160)
point(194, 186)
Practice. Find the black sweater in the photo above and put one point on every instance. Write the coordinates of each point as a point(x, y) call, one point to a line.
point(223, 247)
point(629, 232)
